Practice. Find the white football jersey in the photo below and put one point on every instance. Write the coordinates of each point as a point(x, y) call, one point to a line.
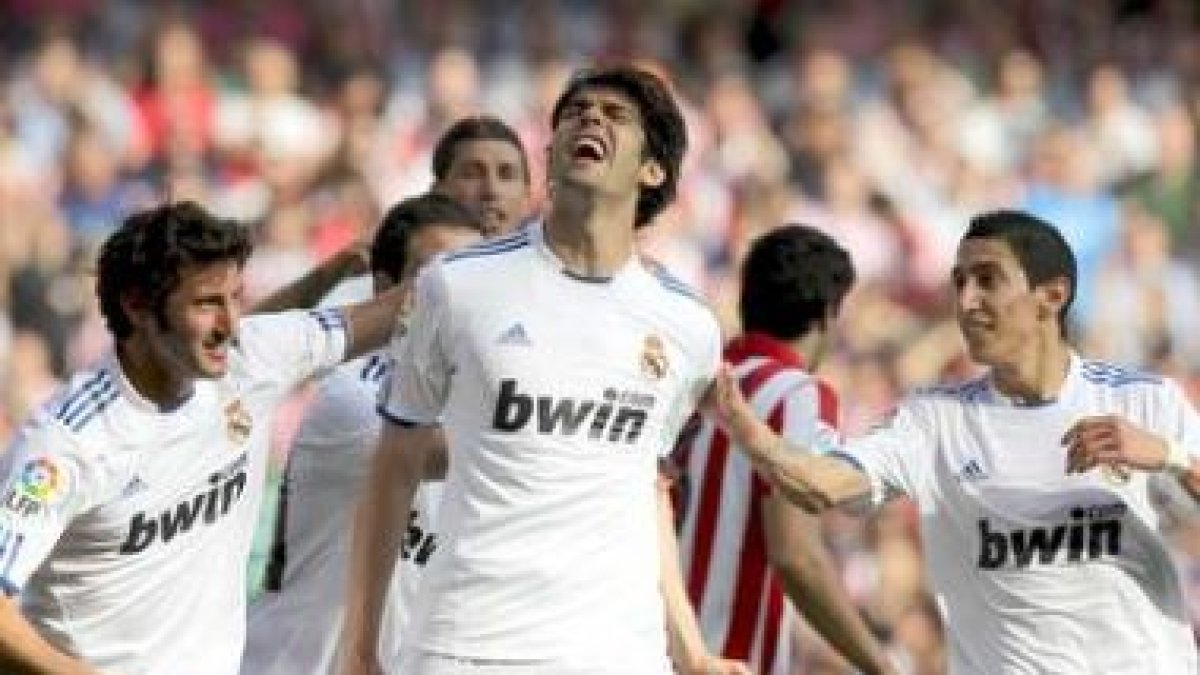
point(1036, 571)
point(558, 396)
point(126, 529)
point(295, 624)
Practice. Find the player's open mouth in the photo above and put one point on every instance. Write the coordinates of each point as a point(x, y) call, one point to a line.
point(591, 148)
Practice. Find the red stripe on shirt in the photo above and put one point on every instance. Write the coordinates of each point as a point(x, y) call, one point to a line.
point(752, 571)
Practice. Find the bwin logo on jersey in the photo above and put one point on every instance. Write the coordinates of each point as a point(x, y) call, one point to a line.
point(616, 418)
point(225, 489)
point(1093, 532)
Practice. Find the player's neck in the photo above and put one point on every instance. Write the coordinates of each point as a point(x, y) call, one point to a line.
point(154, 380)
point(592, 236)
point(1037, 374)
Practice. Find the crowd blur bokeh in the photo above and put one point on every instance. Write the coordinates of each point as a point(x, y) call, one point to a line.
point(887, 123)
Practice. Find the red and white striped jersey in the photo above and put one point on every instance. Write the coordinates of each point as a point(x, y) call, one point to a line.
point(739, 600)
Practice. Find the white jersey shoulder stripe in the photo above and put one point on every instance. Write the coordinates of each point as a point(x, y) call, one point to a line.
point(503, 245)
point(83, 404)
point(1100, 372)
point(330, 319)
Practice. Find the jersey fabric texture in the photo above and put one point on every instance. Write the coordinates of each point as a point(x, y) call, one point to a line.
point(738, 598)
point(559, 395)
point(295, 625)
point(1034, 570)
point(125, 529)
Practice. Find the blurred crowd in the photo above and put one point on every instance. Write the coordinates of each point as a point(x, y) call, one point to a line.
point(887, 123)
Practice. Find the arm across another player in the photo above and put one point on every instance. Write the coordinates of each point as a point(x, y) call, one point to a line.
point(813, 482)
point(308, 290)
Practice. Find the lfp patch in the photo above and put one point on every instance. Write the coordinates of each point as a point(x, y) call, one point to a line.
point(42, 480)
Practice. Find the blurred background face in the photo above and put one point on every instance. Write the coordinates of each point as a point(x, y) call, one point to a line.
point(488, 175)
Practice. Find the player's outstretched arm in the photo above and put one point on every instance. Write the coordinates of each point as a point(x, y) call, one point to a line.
point(810, 578)
point(690, 655)
point(307, 291)
point(813, 482)
point(371, 323)
point(396, 470)
point(22, 650)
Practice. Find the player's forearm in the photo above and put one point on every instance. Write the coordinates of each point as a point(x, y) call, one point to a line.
point(683, 631)
point(810, 580)
point(812, 482)
point(375, 546)
point(371, 323)
point(308, 290)
point(24, 652)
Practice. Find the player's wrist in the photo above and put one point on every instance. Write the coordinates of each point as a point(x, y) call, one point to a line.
point(1178, 461)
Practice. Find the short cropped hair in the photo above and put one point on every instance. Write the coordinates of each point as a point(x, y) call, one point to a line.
point(793, 279)
point(1038, 246)
point(389, 250)
point(475, 128)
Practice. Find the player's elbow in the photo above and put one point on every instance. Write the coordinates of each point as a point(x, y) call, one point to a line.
point(804, 493)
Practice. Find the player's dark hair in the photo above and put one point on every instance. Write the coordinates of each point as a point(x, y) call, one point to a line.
point(793, 280)
point(152, 248)
point(389, 250)
point(475, 128)
point(1038, 246)
point(662, 122)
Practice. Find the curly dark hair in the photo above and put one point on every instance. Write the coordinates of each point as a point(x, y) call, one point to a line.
point(793, 280)
point(389, 249)
point(666, 133)
point(152, 248)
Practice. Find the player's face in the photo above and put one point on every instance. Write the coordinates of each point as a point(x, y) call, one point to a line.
point(600, 143)
point(434, 239)
point(999, 314)
point(193, 336)
point(489, 175)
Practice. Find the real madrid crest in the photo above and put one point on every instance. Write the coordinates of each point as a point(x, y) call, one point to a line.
point(237, 422)
point(654, 358)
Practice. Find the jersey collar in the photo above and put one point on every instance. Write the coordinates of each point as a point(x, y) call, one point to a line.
point(537, 238)
point(1070, 382)
point(761, 344)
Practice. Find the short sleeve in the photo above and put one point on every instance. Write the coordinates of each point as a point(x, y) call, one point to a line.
point(44, 485)
point(290, 347)
point(419, 379)
point(1181, 423)
point(894, 455)
point(702, 372)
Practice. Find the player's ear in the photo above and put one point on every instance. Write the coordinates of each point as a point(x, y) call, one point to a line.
point(135, 305)
point(1053, 296)
point(651, 174)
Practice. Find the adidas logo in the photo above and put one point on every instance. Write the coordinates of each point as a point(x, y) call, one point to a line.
point(515, 335)
point(135, 486)
point(971, 471)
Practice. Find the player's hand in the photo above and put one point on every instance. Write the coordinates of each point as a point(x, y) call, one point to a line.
point(1111, 440)
point(715, 665)
point(725, 403)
